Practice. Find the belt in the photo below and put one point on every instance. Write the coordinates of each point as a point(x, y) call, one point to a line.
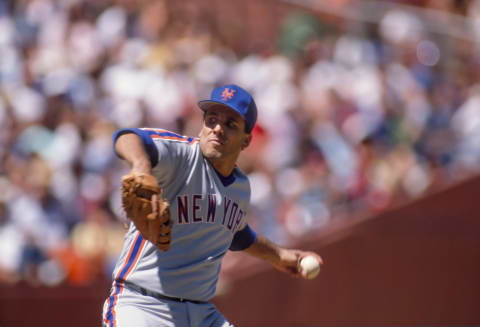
point(157, 295)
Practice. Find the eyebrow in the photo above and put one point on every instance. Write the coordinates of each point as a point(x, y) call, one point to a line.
point(228, 116)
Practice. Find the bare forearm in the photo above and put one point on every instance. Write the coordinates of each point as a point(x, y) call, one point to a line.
point(265, 249)
point(286, 260)
point(130, 147)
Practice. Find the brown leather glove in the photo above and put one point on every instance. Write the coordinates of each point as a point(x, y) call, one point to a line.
point(143, 204)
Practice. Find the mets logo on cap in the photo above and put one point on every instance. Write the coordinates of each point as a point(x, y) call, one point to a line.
point(227, 94)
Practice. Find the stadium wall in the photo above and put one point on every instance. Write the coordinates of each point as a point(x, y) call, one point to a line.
point(418, 264)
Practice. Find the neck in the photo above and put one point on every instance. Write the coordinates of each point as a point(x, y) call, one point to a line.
point(223, 167)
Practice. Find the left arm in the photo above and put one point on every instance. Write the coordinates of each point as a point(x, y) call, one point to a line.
point(286, 260)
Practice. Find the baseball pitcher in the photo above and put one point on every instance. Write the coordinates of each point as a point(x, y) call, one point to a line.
point(188, 203)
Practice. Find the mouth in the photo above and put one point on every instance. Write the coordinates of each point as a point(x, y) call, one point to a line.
point(217, 141)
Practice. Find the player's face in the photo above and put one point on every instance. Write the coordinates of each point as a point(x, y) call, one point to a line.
point(223, 134)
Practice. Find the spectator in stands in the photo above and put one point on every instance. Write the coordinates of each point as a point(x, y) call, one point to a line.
point(351, 122)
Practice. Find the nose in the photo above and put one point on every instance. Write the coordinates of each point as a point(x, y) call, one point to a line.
point(218, 128)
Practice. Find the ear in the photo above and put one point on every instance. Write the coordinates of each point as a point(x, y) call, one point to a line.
point(246, 141)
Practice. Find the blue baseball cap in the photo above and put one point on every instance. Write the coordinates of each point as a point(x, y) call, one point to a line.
point(236, 98)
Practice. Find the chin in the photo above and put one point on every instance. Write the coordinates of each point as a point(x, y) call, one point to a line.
point(212, 154)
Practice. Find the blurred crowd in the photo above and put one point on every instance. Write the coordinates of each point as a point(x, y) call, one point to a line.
point(350, 121)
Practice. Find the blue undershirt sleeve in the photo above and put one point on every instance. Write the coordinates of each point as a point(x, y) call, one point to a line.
point(147, 141)
point(243, 239)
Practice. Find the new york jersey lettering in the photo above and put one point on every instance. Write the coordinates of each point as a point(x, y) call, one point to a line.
point(199, 209)
point(196, 207)
point(226, 204)
point(233, 212)
point(182, 208)
point(212, 206)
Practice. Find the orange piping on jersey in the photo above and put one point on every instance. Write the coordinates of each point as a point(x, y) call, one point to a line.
point(123, 275)
point(132, 247)
point(111, 319)
point(135, 260)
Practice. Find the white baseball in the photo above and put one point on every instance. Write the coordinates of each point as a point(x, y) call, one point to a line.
point(310, 266)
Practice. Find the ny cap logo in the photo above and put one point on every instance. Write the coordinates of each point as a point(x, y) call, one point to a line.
point(227, 94)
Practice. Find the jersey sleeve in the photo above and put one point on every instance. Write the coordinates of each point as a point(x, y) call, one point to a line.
point(243, 239)
point(147, 141)
point(169, 152)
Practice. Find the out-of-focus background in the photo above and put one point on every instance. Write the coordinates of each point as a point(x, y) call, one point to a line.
point(367, 149)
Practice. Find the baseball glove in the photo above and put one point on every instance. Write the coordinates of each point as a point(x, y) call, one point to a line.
point(143, 203)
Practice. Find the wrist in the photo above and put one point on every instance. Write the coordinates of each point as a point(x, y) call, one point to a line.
point(282, 255)
point(142, 166)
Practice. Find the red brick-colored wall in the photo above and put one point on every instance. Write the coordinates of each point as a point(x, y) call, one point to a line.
point(416, 265)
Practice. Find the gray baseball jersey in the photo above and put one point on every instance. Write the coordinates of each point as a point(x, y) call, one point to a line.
point(207, 209)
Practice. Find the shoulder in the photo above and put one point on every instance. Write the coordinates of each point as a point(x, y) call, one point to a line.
point(173, 145)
